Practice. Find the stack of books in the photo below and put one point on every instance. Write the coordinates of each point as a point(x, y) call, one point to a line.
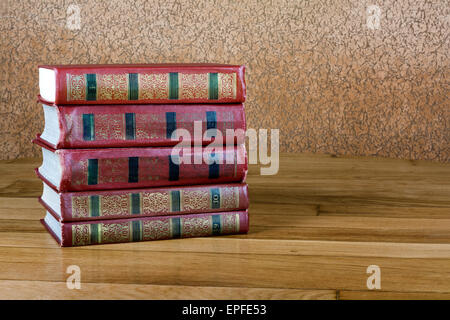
point(142, 152)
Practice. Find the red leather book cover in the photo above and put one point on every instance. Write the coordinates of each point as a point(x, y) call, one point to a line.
point(132, 203)
point(147, 228)
point(127, 168)
point(90, 126)
point(147, 83)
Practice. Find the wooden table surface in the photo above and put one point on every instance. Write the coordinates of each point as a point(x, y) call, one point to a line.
point(314, 229)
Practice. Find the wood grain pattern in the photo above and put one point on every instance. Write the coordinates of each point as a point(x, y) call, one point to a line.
point(314, 229)
point(58, 290)
point(386, 295)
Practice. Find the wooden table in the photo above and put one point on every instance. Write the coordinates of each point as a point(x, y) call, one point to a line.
point(315, 228)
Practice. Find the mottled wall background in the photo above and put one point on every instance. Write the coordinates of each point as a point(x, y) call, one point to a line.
point(333, 76)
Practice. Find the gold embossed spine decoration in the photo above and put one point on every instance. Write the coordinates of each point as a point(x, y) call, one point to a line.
point(80, 207)
point(81, 234)
point(112, 86)
point(76, 87)
point(193, 86)
point(227, 85)
point(155, 202)
point(153, 86)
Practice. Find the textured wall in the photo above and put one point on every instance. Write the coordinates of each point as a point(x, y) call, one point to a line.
point(325, 73)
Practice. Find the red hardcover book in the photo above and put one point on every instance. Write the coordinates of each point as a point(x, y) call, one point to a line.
point(146, 228)
point(132, 203)
point(142, 83)
point(139, 125)
point(127, 168)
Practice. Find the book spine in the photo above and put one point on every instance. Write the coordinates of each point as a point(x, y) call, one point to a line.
point(149, 125)
point(146, 85)
point(62, 129)
point(154, 228)
point(116, 204)
point(126, 168)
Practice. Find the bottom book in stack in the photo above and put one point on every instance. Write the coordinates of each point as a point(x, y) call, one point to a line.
point(99, 217)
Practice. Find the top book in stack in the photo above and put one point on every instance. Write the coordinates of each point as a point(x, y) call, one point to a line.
point(141, 84)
